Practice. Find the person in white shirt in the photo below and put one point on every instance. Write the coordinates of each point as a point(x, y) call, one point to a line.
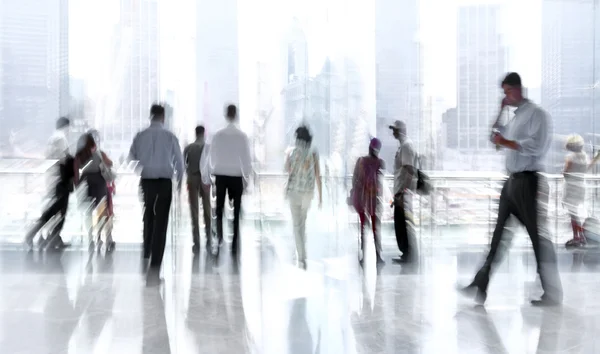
point(230, 162)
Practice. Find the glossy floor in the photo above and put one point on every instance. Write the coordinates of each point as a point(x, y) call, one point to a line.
point(81, 302)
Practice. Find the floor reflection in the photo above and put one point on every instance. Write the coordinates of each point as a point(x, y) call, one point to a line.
point(81, 302)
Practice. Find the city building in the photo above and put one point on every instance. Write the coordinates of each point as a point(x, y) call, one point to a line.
point(217, 56)
point(569, 69)
point(481, 63)
point(34, 72)
point(124, 110)
point(399, 71)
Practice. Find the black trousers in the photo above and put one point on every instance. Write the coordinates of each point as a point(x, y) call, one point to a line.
point(401, 229)
point(59, 204)
point(234, 186)
point(525, 195)
point(158, 194)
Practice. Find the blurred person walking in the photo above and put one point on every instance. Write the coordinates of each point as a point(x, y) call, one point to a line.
point(231, 164)
point(60, 185)
point(366, 191)
point(89, 164)
point(159, 155)
point(576, 165)
point(198, 185)
point(527, 138)
point(405, 184)
point(302, 166)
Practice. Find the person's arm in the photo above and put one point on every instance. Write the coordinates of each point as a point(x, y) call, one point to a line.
point(75, 171)
point(356, 172)
point(178, 160)
point(408, 165)
point(538, 136)
point(133, 150)
point(186, 160)
point(108, 162)
point(318, 178)
point(568, 165)
point(288, 162)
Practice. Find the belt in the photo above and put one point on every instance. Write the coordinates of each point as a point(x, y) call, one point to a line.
point(523, 174)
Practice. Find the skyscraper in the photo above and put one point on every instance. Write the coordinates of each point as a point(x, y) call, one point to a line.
point(568, 64)
point(217, 60)
point(399, 68)
point(135, 75)
point(34, 69)
point(481, 63)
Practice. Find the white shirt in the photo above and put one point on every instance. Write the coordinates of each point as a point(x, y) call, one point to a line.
point(405, 157)
point(531, 128)
point(229, 153)
point(58, 146)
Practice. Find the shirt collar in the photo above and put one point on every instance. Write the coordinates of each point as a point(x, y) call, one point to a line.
point(525, 103)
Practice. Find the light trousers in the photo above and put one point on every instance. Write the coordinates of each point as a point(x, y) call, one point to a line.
point(299, 205)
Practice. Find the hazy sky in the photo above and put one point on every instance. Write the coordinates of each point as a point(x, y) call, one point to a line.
point(91, 22)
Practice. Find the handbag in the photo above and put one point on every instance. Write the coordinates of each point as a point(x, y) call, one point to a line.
point(107, 173)
point(423, 183)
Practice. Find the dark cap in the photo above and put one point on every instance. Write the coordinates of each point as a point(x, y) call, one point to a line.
point(62, 122)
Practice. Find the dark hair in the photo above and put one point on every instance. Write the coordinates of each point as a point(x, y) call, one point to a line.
point(199, 130)
point(231, 112)
point(302, 133)
point(84, 149)
point(512, 79)
point(157, 111)
point(62, 122)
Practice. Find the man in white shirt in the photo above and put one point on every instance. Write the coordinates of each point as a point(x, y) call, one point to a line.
point(60, 185)
point(231, 164)
point(404, 184)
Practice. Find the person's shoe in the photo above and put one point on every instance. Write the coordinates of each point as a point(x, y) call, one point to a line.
point(56, 243)
point(42, 243)
point(544, 302)
point(110, 246)
point(28, 244)
point(380, 260)
point(196, 249)
point(573, 243)
point(473, 291)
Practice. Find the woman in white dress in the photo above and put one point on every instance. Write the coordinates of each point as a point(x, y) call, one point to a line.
point(576, 164)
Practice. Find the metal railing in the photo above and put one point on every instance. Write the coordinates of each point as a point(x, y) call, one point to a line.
point(458, 201)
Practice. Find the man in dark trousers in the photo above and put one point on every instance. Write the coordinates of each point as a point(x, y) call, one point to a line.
point(526, 138)
point(404, 184)
point(198, 184)
point(60, 185)
point(231, 163)
point(159, 155)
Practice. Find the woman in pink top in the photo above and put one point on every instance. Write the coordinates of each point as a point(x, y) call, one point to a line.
point(366, 191)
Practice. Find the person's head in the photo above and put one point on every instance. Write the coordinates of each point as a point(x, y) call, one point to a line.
point(63, 123)
point(95, 135)
point(157, 113)
point(303, 135)
point(398, 129)
point(86, 145)
point(574, 143)
point(513, 89)
point(231, 113)
point(199, 132)
point(374, 147)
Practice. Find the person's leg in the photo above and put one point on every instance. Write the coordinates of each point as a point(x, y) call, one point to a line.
point(220, 182)
point(305, 206)
point(236, 190)
point(55, 207)
point(296, 211)
point(193, 192)
point(161, 223)
point(362, 219)
point(531, 203)
point(149, 195)
point(375, 224)
point(54, 239)
point(207, 212)
point(482, 278)
point(399, 225)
